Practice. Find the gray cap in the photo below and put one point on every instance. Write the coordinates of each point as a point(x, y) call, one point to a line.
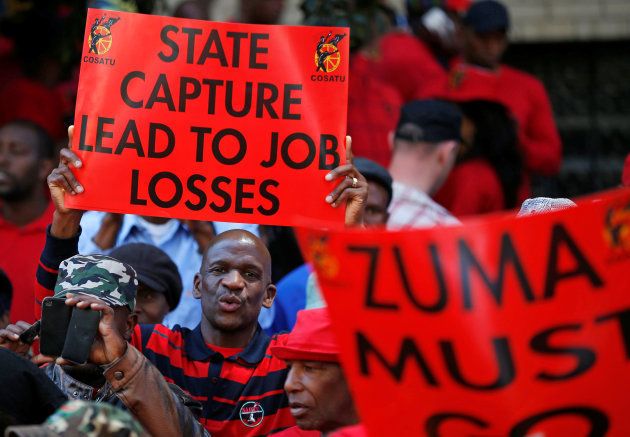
point(539, 205)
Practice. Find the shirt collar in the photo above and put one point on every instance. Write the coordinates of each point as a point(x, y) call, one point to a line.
point(131, 222)
point(197, 349)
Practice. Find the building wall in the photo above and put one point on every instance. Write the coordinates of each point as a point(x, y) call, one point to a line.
point(569, 20)
point(533, 20)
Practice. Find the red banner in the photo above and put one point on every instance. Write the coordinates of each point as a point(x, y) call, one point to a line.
point(503, 326)
point(210, 121)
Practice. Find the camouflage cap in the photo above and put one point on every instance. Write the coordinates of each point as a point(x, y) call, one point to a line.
point(83, 419)
point(98, 275)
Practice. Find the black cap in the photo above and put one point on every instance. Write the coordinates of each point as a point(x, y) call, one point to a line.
point(154, 267)
point(374, 172)
point(487, 16)
point(430, 121)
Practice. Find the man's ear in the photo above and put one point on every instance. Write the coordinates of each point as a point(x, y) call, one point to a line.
point(197, 286)
point(270, 295)
point(132, 321)
point(447, 152)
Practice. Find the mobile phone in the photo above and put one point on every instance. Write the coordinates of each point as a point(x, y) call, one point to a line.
point(80, 336)
point(55, 318)
point(28, 336)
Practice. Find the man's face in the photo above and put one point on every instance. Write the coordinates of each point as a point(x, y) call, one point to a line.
point(19, 163)
point(233, 284)
point(263, 11)
point(151, 306)
point(319, 398)
point(376, 205)
point(484, 49)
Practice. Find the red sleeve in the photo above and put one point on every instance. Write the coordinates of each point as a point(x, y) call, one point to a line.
point(406, 64)
point(539, 135)
point(55, 251)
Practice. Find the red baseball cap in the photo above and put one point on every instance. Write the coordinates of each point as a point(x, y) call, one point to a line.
point(625, 176)
point(312, 339)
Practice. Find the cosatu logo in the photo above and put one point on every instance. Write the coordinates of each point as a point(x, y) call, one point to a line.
point(327, 56)
point(100, 38)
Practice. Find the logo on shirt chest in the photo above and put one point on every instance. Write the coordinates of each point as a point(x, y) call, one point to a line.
point(252, 414)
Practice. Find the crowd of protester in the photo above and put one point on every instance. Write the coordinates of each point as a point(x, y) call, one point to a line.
point(220, 328)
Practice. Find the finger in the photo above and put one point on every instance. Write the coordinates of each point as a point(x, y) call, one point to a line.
point(63, 362)
point(15, 329)
point(62, 177)
point(68, 157)
point(349, 149)
point(12, 336)
point(70, 135)
point(350, 193)
point(22, 324)
point(336, 197)
point(81, 300)
point(342, 170)
point(40, 359)
point(107, 312)
point(345, 184)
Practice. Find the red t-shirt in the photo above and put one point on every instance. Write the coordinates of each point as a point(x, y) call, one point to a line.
point(406, 63)
point(526, 98)
point(19, 256)
point(373, 110)
point(472, 187)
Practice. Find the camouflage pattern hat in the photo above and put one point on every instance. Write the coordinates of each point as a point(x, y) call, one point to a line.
point(98, 275)
point(83, 419)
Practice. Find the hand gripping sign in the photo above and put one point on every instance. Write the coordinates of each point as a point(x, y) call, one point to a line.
point(503, 326)
point(203, 120)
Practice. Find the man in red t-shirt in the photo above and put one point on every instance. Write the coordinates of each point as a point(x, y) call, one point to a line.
point(480, 75)
point(416, 62)
point(26, 153)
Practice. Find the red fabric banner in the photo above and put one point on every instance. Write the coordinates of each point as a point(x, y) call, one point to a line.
point(210, 121)
point(503, 326)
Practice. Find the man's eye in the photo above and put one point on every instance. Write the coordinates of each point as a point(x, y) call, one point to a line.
point(217, 270)
point(251, 275)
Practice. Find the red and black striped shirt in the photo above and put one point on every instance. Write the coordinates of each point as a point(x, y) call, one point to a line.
point(242, 395)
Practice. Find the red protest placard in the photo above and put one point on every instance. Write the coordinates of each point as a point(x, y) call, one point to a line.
point(209, 121)
point(504, 326)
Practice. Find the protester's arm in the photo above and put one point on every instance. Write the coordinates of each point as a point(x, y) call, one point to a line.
point(352, 190)
point(148, 396)
point(62, 236)
point(134, 379)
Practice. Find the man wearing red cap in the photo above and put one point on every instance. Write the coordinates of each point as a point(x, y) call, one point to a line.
point(319, 397)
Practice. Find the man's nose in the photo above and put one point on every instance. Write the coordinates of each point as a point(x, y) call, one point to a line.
point(233, 280)
point(292, 383)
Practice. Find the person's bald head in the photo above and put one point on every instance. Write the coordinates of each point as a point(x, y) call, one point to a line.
point(244, 238)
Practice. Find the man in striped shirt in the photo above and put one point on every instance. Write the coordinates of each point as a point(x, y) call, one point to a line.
point(225, 361)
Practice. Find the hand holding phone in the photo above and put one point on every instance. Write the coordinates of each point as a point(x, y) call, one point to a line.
point(108, 344)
